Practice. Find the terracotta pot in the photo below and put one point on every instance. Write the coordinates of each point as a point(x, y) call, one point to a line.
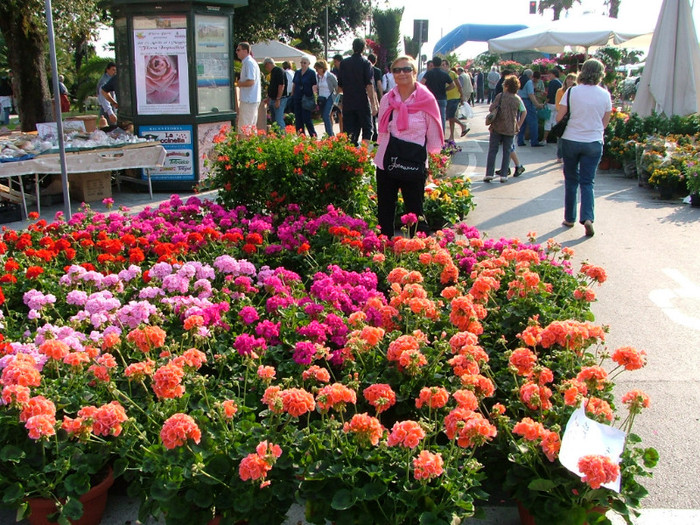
point(604, 164)
point(94, 502)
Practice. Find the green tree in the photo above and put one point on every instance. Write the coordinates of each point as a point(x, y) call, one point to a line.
point(557, 6)
point(411, 46)
point(303, 20)
point(386, 25)
point(23, 25)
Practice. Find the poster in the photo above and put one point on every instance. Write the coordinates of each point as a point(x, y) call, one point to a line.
point(160, 65)
point(213, 64)
point(206, 133)
point(179, 161)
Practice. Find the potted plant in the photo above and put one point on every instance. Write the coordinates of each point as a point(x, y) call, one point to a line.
point(550, 375)
point(57, 430)
point(692, 181)
point(668, 180)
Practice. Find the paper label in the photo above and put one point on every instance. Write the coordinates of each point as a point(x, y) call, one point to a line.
point(584, 437)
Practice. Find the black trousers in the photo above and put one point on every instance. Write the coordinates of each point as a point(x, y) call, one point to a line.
point(356, 121)
point(388, 188)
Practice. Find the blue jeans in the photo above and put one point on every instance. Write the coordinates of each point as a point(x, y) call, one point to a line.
point(278, 113)
point(496, 140)
point(531, 123)
point(442, 104)
point(580, 164)
point(326, 115)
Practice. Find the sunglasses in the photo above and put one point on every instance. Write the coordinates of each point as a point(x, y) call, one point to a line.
point(405, 69)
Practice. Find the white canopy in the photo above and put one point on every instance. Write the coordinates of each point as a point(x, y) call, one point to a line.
point(279, 52)
point(576, 32)
point(670, 82)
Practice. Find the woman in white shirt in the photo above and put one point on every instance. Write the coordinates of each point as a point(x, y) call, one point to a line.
point(325, 88)
point(582, 142)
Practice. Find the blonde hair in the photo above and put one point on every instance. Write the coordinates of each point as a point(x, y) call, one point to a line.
point(321, 64)
point(592, 72)
point(407, 58)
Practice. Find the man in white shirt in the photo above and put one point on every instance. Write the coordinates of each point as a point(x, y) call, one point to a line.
point(388, 81)
point(249, 85)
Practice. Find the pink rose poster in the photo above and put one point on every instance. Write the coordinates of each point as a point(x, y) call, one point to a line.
point(160, 48)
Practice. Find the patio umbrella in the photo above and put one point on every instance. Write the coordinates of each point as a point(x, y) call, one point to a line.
point(670, 82)
point(279, 52)
point(580, 31)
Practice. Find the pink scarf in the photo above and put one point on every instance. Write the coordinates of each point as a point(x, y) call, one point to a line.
point(423, 101)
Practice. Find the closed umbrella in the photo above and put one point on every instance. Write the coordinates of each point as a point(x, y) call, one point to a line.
point(580, 31)
point(671, 77)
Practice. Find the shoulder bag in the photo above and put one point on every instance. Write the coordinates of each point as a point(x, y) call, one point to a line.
point(308, 103)
point(558, 129)
point(405, 160)
point(493, 114)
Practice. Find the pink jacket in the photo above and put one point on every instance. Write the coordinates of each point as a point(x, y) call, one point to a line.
point(416, 120)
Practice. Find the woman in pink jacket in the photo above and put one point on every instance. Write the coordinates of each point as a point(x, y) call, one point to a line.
point(409, 128)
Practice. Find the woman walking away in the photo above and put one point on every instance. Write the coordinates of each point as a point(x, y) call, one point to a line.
point(303, 86)
point(582, 142)
point(569, 81)
point(510, 117)
point(410, 127)
point(326, 86)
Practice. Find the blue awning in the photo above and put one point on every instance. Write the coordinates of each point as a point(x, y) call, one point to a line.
point(474, 33)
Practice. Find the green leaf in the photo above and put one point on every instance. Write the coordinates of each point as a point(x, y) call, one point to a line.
point(160, 492)
point(343, 500)
point(651, 457)
point(13, 493)
point(542, 485)
point(73, 509)
point(372, 490)
point(12, 453)
point(78, 483)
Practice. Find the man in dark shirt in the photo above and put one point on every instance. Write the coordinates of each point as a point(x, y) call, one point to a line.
point(377, 84)
point(276, 90)
point(552, 88)
point(355, 79)
point(437, 81)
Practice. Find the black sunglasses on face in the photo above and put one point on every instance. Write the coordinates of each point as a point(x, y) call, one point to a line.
point(405, 69)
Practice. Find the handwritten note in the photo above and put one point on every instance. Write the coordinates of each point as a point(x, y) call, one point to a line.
point(584, 437)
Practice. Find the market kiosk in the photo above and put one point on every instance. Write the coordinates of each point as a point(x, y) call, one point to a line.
point(175, 77)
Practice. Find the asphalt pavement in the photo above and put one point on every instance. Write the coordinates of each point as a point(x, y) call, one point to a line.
point(650, 250)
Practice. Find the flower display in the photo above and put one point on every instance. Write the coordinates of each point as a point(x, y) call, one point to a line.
point(207, 351)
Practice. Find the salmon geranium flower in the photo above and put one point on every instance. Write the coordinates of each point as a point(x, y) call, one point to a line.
point(177, 429)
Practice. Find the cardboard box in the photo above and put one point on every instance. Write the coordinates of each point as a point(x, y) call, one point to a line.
point(90, 121)
point(90, 187)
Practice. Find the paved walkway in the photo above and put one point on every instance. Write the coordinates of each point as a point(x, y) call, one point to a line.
point(650, 250)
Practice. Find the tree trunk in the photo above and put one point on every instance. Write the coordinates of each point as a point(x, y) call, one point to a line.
point(26, 52)
point(614, 8)
point(557, 12)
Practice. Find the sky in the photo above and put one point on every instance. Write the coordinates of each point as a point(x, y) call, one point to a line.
point(446, 15)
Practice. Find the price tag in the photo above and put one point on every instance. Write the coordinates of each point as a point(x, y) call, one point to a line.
point(584, 437)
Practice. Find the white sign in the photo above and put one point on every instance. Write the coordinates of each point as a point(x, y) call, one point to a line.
point(584, 437)
point(160, 66)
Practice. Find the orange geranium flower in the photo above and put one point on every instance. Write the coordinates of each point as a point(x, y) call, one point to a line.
point(530, 429)
point(335, 396)
point(297, 401)
point(177, 429)
point(41, 426)
point(380, 396)
point(434, 397)
point(598, 470)
point(523, 361)
point(427, 465)
point(166, 381)
point(54, 349)
point(635, 399)
point(551, 444)
point(230, 408)
point(630, 358)
point(407, 434)
point(367, 429)
point(316, 372)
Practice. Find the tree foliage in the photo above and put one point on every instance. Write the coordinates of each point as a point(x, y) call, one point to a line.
point(387, 27)
point(303, 20)
point(557, 6)
point(23, 25)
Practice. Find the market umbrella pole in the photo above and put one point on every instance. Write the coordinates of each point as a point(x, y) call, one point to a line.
point(57, 111)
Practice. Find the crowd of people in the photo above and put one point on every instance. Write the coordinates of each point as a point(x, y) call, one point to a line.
point(409, 115)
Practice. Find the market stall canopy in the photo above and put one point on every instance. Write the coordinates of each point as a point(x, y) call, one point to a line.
point(279, 52)
point(576, 32)
point(473, 33)
point(670, 82)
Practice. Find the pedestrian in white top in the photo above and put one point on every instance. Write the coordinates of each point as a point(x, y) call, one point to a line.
point(249, 85)
point(388, 81)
